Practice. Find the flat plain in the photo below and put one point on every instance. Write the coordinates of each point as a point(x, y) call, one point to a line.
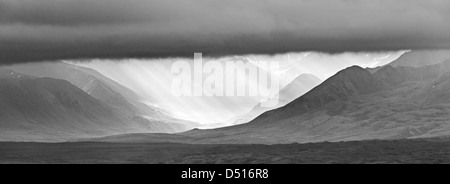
point(411, 151)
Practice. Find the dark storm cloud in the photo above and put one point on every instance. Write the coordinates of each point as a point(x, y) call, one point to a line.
point(34, 30)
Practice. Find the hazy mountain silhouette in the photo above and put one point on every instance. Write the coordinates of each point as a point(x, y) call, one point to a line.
point(419, 58)
point(299, 86)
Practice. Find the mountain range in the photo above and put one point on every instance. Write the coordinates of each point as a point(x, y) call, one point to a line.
point(59, 101)
point(128, 112)
point(46, 109)
point(107, 91)
point(299, 86)
point(393, 102)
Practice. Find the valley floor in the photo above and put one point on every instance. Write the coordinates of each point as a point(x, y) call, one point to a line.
point(376, 151)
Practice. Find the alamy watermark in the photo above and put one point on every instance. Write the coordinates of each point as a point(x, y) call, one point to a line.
point(226, 78)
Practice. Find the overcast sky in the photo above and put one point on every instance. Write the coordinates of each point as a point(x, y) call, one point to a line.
point(34, 30)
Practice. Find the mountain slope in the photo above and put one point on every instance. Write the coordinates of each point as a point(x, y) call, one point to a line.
point(122, 99)
point(348, 82)
point(45, 109)
point(392, 103)
point(356, 105)
point(88, 80)
point(419, 58)
point(299, 86)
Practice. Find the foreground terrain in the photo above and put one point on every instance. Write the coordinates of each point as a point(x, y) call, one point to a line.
point(386, 151)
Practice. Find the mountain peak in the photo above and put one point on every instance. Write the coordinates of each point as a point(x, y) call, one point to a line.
point(307, 76)
point(351, 81)
point(355, 80)
point(351, 69)
point(354, 67)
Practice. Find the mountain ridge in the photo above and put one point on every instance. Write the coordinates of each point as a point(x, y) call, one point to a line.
point(419, 58)
point(361, 106)
point(53, 109)
point(337, 87)
point(299, 86)
point(124, 100)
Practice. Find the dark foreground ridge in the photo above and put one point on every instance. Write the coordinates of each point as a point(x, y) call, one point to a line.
point(435, 150)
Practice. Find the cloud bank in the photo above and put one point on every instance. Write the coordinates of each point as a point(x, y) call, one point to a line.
point(36, 30)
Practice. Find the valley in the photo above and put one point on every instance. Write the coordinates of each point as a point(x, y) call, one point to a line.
point(224, 82)
point(392, 103)
point(354, 104)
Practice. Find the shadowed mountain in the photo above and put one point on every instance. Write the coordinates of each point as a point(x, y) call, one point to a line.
point(46, 109)
point(90, 81)
point(120, 98)
point(348, 82)
point(354, 104)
